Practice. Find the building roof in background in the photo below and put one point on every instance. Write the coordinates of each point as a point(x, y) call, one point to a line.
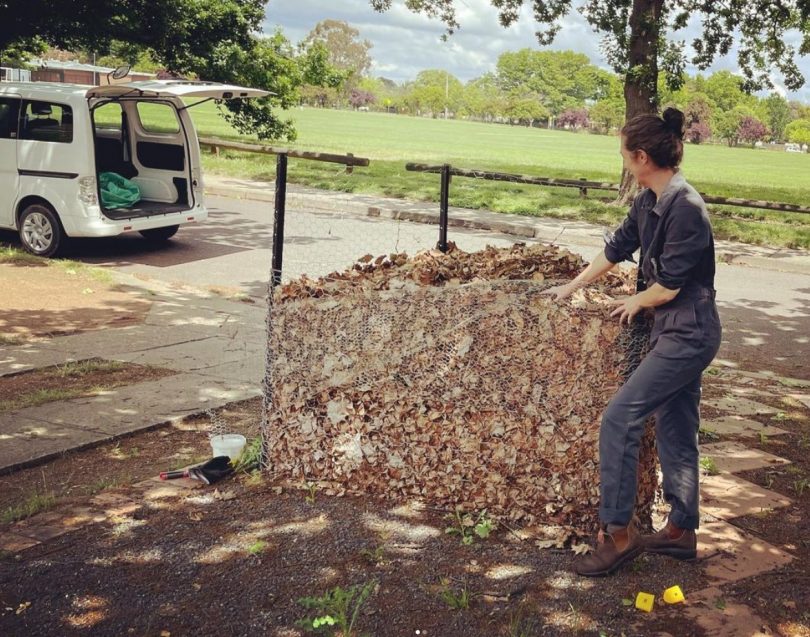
point(78, 66)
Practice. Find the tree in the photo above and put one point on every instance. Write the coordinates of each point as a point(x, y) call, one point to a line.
point(437, 92)
point(607, 114)
point(574, 119)
point(526, 110)
point(698, 114)
point(635, 40)
point(483, 99)
point(347, 52)
point(562, 79)
point(798, 131)
point(359, 98)
point(751, 130)
point(213, 39)
point(778, 115)
point(727, 125)
point(698, 132)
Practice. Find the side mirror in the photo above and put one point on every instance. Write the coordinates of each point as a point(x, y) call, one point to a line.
point(119, 73)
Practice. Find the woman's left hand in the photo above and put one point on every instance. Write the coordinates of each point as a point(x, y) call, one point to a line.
point(627, 308)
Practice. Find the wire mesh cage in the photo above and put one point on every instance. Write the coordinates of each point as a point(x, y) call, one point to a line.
point(446, 377)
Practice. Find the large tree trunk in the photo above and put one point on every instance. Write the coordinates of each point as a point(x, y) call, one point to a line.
point(641, 79)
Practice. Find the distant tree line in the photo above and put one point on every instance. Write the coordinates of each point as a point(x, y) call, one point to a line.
point(554, 89)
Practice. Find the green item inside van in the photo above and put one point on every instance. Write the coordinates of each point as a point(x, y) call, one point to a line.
point(118, 191)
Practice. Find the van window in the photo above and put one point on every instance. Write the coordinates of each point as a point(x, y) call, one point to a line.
point(46, 122)
point(8, 117)
point(108, 116)
point(158, 118)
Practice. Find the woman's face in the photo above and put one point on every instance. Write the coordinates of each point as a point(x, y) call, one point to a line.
point(637, 162)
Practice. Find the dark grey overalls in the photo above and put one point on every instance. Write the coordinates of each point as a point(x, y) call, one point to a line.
point(675, 237)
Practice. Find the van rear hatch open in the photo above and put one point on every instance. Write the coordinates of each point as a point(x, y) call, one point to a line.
point(175, 88)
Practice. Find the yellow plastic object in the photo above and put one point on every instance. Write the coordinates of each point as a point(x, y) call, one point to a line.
point(644, 601)
point(674, 595)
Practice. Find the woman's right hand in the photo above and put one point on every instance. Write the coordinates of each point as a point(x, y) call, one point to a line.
point(560, 292)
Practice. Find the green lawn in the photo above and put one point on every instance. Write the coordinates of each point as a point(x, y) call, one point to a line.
point(392, 140)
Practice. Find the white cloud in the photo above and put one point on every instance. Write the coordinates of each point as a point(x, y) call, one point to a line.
point(405, 43)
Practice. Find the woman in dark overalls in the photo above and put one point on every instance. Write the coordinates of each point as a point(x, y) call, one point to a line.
point(669, 222)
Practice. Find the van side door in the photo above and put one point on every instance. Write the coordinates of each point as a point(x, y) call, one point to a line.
point(9, 177)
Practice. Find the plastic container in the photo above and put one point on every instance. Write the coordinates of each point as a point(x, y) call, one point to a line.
point(674, 595)
point(645, 601)
point(230, 445)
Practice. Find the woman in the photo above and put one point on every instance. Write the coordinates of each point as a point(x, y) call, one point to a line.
point(669, 222)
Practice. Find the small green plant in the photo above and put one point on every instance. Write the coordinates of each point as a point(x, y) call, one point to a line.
point(769, 479)
point(312, 489)
point(720, 603)
point(119, 453)
point(257, 548)
point(467, 526)
point(709, 466)
point(800, 485)
point(781, 416)
point(375, 556)
point(337, 609)
point(523, 625)
point(763, 439)
point(34, 504)
point(712, 371)
point(455, 600)
point(250, 458)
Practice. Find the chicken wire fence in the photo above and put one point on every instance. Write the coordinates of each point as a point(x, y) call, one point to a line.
point(397, 370)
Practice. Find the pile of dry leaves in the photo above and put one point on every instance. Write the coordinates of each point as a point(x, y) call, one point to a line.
point(451, 378)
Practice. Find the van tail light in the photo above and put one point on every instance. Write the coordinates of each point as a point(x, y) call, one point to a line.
point(88, 191)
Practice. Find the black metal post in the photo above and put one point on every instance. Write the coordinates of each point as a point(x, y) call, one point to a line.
point(278, 218)
point(443, 207)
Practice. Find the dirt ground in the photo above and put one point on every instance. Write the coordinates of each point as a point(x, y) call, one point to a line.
point(53, 299)
point(236, 558)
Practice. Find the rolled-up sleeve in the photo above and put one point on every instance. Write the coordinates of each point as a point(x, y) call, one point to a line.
point(620, 245)
point(688, 234)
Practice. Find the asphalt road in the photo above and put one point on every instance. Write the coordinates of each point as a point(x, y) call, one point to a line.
point(766, 314)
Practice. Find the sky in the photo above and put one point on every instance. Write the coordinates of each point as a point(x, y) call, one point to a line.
point(404, 43)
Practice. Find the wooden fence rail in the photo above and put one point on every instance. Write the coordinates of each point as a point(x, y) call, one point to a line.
point(348, 160)
point(583, 185)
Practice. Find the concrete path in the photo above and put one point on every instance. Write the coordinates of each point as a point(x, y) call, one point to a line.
point(215, 346)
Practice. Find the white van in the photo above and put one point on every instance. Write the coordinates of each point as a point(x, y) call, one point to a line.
point(55, 139)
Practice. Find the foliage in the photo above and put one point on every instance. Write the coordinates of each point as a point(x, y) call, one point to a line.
point(574, 118)
point(778, 114)
point(636, 45)
point(698, 132)
point(435, 92)
point(727, 124)
point(798, 131)
point(358, 97)
point(215, 40)
point(467, 526)
point(337, 609)
point(751, 130)
point(561, 80)
point(250, 458)
point(347, 52)
point(455, 600)
point(607, 115)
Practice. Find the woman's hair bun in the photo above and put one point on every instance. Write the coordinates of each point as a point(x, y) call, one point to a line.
point(674, 121)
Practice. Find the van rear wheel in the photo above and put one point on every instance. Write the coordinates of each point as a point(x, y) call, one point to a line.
point(159, 234)
point(40, 231)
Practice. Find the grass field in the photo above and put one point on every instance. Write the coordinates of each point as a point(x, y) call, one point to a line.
point(391, 140)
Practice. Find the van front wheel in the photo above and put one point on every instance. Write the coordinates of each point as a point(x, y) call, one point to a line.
point(40, 231)
point(159, 234)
